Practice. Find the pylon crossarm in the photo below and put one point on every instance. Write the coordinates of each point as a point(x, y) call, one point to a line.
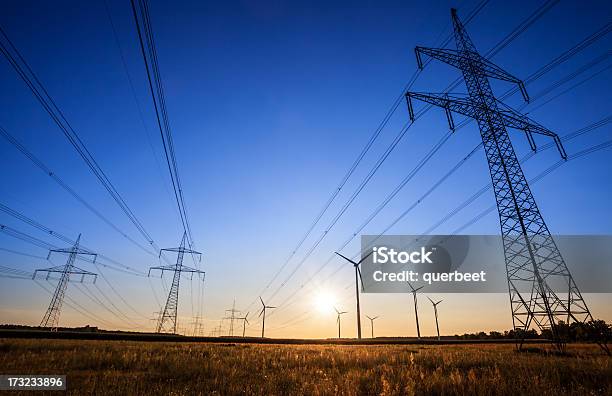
point(172, 268)
point(180, 250)
point(475, 61)
point(516, 120)
point(163, 268)
point(448, 102)
point(460, 104)
point(61, 269)
point(508, 116)
point(77, 251)
point(193, 271)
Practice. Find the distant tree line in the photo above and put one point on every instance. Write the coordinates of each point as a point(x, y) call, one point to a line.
point(593, 331)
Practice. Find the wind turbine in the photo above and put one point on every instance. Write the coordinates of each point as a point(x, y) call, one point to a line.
point(263, 311)
point(372, 323)
point(245, 320)
point(435, 307)
point(338, 319)
point(357, 278)
point(416, 309)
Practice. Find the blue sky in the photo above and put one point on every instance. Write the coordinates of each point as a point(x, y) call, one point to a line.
point(270, 103)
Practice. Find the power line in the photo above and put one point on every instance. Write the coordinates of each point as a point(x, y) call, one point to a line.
point(78, 307)
point(24, 71)
point(536, 15)
point(598, 124)
point(358, 160)
point(22, 253)
point(572, 87)
point(16, 272)
point(117, 314)
point(541, 175)
point(40, 243)
point(534, 76)
point(47, 246)
point(134, 96)
point(159, 103)
point(546, 67)
point(39, 164)
point(20, 216)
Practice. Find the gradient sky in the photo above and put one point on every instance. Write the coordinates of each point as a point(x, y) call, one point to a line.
point(270, 103)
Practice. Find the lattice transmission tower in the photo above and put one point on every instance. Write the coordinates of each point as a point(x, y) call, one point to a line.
point(167, 319)
point(51, 318)
point(541, 288)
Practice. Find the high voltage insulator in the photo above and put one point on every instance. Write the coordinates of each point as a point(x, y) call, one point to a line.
point(51, 318)
point(167, 318)
point(535, 269)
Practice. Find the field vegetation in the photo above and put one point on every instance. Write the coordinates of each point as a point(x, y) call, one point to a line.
point(159, 368)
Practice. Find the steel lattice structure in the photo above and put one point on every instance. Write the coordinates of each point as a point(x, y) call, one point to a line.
point(541, 288)
point(167, 320)
point(51, 317)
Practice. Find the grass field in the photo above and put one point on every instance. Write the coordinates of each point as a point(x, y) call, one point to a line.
point(127, 367)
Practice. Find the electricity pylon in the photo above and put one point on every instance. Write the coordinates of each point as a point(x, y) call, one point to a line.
point(232, 317)
point(535, 269)
point(167, 319)
point(51, 318)
point(197, 325)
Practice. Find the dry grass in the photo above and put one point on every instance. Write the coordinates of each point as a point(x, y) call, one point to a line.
point(122, 367)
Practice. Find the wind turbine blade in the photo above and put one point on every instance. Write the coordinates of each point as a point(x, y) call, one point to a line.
point(365, 257)
point(418, 288)
point(343, 312)
point(261, 312)
point(347, 259)
point(369, 317)
point(260, 299)
point(375, 317)
point(431, 301)
point(271, 307)
point(336, 309)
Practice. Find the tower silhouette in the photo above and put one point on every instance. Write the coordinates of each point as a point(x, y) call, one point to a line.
point(167, 319)
point(542, 290)
point(52, 315)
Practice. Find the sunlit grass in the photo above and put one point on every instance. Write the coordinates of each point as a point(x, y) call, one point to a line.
point(122, 367)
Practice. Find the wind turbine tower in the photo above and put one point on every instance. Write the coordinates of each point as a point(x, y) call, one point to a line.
point(263, 312)
point(372, 323)
point(435, 307)
point(245, 321)
point(338, 319)
point(357, 279)
point(416, 309)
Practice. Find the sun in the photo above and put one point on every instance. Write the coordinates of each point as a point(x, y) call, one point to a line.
point(324, 301)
